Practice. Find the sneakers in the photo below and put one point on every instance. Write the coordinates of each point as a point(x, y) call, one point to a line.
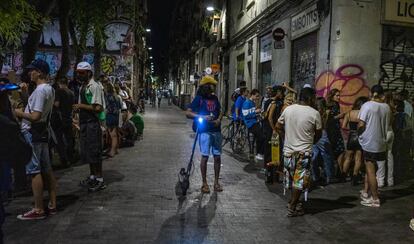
point(412, 224)
point(86, 182)
point(363, 195)
point(50, 210)
point(259, 157)
point(97, 186)
point(370, 202)
point(32, 215)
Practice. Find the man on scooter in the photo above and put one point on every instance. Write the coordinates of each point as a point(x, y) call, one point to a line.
point(205, 109)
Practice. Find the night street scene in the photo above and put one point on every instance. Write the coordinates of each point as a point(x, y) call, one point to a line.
point(206, 121)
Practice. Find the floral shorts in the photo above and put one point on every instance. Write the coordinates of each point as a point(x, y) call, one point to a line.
point(297, 171)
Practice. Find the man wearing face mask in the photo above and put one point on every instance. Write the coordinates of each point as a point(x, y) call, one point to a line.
point(206, 107)
point(91, 104)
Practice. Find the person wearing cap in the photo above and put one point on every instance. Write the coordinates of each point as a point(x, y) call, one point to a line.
point(91, 103)
point(205, 109)
point(374, 122)
point(36, 130)
point(238, 104)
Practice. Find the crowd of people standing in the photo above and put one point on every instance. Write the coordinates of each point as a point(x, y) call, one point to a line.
point(321, 143)
point(84, 118)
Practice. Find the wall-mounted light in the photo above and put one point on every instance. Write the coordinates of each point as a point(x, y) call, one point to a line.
point(148, 30)
point(150, 48)
point(210, 8)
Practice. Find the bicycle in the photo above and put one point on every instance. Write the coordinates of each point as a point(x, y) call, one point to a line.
point(236, 134)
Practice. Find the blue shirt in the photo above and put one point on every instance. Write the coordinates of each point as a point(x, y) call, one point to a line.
point(206, 106)
point(249, 113)
point(238, 107)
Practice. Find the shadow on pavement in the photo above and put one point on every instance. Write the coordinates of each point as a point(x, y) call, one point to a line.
point(319, 205)
point(190, 226)
point(112, 176)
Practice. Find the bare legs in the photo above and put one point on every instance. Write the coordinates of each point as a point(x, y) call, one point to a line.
point(37, 188)
point(371, 180)
point(217, 167)
point(113, 132)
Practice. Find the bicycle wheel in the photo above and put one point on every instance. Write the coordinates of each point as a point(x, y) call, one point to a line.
point(239, 140)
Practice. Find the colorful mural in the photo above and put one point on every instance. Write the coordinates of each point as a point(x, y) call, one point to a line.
point(348, 79)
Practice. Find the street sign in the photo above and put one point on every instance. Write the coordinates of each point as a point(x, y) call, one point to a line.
point(278, 34)
point(279, 44)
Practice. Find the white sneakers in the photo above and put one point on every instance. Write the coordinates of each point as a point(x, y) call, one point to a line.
point(259, 157)
point(369, 201)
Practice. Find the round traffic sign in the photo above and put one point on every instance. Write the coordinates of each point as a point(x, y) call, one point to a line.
point(278, 34)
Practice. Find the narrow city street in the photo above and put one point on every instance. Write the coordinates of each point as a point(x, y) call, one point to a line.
point(140, 204)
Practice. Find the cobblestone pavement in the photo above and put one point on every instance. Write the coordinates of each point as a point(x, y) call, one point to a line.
point(140, 204)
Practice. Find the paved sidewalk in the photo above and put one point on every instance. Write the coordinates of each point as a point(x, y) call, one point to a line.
point(140, 204)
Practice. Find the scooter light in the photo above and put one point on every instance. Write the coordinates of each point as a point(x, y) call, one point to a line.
point(200, 120)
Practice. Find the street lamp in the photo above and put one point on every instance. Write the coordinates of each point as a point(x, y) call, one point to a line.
point(150, 48)
point(151, 57)
point(210, 8)
point(148, 30)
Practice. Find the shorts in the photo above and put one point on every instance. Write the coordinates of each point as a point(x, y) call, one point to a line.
point(40, 162)
point(210, 142)
point(91, 142)
point(375, 157)
point(112, 121)
point(297, 171)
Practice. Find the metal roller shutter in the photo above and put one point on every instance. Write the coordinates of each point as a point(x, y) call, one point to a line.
point(304, 55)
point(397, 58)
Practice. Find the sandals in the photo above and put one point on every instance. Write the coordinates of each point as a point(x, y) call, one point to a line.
point(205, 189)
point(298, 211)
point(218, 188)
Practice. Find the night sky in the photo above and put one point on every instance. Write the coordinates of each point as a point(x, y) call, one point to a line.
point(160, 12)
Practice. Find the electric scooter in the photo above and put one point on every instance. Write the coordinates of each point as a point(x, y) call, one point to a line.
point(184, 174)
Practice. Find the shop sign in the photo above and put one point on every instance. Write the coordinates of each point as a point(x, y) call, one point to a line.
point(401, 11)
point(305, 22)
point(266, 48)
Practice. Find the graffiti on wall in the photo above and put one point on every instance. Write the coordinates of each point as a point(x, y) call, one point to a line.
point(108, 64)
point(397, 67)
point(116, 33)
point(52, 58)
point(348, 79)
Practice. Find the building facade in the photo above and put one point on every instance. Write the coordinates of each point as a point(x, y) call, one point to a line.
point(345, 44)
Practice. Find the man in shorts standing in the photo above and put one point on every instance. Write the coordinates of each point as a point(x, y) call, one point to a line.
point(35, 128)
point(91, 104)
point(206, 107)
point(374, 122)
point(302, 126)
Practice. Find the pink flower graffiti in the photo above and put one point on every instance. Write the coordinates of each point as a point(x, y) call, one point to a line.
point(348, 79)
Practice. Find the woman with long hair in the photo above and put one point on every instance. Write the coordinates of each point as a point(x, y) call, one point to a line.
point(353, 148)
point(334, 128)
point(113, 105)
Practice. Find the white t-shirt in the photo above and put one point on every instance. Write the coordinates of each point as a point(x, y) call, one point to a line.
point(41, 100)
point(300, 123)
point(377, 122)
